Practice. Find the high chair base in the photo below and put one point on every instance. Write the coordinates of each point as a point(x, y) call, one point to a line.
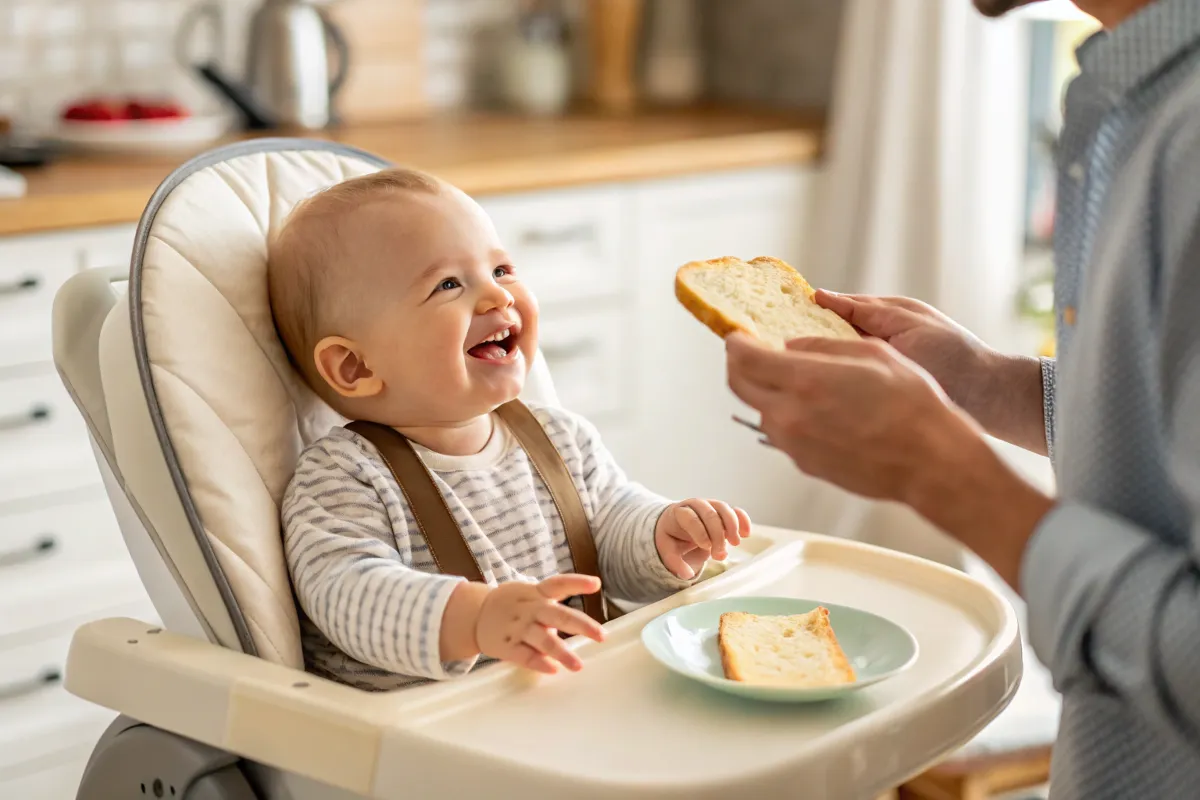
point(135, 760)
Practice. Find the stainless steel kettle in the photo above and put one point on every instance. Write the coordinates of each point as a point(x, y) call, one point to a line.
point(289, 80)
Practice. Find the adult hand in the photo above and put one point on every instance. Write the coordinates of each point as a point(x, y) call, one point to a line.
point(863, 416)
point(1002, 392)
point(856, 413)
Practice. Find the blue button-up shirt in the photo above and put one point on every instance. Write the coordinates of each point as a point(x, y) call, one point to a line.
point(1112, 575)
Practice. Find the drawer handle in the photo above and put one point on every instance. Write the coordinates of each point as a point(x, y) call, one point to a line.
point(44, 546)
point(38, 413)
point(572, 350)
point(27, 284)
point(577, 233)
point(49, 676)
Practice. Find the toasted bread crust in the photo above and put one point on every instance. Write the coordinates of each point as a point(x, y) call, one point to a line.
point(713, 318)
point(821, 628)
point(728, 662)
point(825, 631)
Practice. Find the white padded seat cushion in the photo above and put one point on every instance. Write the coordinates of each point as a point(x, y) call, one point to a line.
point(236, 412)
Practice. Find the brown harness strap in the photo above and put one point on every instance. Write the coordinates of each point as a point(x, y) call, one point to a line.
point(447, 546)
point(554, 474)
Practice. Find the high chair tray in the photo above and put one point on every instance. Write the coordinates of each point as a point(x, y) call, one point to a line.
point(624, 727)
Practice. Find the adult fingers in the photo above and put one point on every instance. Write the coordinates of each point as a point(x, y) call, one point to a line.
point(883, 317)
point(842, 348)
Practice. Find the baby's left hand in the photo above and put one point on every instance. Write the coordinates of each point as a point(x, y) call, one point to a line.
point(691, 531)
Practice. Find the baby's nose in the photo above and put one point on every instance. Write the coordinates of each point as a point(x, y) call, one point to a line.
point(495, 296)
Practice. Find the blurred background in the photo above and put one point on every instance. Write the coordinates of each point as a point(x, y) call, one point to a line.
point(885, 146)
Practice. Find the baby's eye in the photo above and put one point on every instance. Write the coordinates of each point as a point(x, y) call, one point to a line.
point(448, 284)
point(501, 271)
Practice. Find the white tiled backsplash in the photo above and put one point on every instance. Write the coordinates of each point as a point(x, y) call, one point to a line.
point(778, 52)
point(52, 51)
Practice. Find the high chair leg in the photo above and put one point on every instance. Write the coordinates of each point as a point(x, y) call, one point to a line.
point(136, 760)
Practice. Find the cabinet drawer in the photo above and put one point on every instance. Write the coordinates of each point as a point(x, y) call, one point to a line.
point(36, 545)
point(55, 777)
point(40, 428)
point(63, 601)
point(565, 244)
point(587, 357)
point(31, 270)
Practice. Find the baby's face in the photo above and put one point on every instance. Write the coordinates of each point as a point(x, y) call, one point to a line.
point(445, 328)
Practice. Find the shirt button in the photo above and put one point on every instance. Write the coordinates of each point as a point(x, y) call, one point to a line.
point(1069, 315)
point(1075, 172)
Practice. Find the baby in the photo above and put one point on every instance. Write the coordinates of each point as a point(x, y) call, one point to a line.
point(396, 301)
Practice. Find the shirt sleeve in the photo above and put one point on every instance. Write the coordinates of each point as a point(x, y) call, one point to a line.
point(1113, 606)
point(1048, 369)
point(348, 575)
point(624, 515)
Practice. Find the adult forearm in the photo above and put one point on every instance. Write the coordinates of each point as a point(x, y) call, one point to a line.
point(1007, 400)
point(968, 491)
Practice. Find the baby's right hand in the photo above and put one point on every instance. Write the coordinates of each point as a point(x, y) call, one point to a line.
point(517, 622)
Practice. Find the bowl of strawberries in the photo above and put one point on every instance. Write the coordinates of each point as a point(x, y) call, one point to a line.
point(141, 125)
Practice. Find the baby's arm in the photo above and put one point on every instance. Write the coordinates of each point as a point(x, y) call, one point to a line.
point(350, 579)
point(352, 583)
point(624, 515)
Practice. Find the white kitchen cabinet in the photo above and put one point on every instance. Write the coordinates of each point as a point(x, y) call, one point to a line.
point(687, 444)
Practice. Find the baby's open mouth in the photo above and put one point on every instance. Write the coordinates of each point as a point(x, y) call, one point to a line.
point(498, 346)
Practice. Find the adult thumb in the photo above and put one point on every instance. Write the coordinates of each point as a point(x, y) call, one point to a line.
point(873, 316)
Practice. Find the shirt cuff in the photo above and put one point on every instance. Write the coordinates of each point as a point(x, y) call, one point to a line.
point(428, 620)
point(1048, 372)
point(1071, 568)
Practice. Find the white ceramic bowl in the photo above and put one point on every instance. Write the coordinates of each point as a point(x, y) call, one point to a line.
point(142, 137)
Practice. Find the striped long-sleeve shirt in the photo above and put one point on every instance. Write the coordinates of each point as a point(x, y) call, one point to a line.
point(370, 592)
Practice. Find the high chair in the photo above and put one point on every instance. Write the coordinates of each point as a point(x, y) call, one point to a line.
point(197, 418)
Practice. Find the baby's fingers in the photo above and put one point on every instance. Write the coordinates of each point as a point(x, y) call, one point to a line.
point(560, 587)
point(690, 523)
point(713, 527)
point(743, 522)
point(729, 521)
point(530, 658)
point(541, 639)
point(570, 621)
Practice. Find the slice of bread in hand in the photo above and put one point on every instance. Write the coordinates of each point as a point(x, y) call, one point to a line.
point(799, 650)
point(765, 298)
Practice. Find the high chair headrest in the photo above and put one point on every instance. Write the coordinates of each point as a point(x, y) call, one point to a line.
point(207, 416)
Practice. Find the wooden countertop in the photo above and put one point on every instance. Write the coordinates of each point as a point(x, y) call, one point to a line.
point(480, 154)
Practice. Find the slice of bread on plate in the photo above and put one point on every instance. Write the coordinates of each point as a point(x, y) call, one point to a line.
point(799, 650)
point(764, 297)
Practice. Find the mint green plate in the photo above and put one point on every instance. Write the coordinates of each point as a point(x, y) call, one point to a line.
point(685, 640)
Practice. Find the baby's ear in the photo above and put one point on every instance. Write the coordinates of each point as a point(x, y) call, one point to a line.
point(342, 366)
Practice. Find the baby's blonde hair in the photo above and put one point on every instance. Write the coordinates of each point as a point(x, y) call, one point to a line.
point(302, 260)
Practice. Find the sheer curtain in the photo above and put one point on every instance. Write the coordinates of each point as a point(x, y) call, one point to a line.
point(922, 189)
point(922, 196)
